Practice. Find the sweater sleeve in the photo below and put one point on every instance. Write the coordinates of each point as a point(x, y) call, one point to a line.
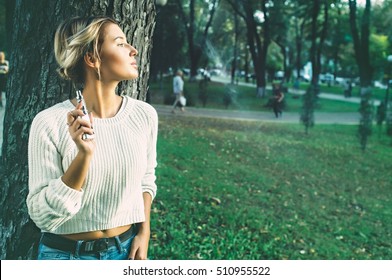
point(148, 181)
point(50, 202)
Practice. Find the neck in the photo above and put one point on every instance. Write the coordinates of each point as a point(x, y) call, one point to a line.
point(101, 99)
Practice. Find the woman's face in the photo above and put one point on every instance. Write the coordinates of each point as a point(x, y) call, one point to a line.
point(118, 60)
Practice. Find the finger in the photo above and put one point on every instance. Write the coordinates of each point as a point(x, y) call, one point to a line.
point(79, 127)
point(79, 105)
point(132, 253)
point(78, 134)
point(91, 118)
point(74, 114)
point(70, 118)
point(140, 255)
point(70, 115)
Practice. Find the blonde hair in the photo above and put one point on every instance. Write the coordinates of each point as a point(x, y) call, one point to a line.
point(73, 39)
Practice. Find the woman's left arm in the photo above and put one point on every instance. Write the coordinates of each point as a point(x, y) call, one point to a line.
point(139, 248)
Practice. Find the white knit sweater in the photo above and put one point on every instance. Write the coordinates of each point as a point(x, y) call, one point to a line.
point(122, 168)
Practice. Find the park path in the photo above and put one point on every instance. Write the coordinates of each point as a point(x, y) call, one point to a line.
point(320, 118)
point(323, 95)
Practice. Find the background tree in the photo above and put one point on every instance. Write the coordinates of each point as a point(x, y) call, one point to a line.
point(226, 42)
point(256, 17)
point(35, 85)
point(318, 35)
point(362, 56)
point(169, 50)
point(280, 16)
point(196, 25)
point(361, 42)
point(337, 39)
point(298, 23)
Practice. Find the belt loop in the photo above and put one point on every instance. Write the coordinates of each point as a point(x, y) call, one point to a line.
point(118, 243)
point(77, 249)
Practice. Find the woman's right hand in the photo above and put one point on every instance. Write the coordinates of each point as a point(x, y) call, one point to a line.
point(77, 126)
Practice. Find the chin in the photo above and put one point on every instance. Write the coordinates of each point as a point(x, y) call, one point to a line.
point(133, 75)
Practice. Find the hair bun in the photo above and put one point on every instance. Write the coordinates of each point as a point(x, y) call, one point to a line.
point(73, 39)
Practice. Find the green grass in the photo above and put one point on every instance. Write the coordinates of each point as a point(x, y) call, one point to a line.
point(250, 190)
point(245, 99)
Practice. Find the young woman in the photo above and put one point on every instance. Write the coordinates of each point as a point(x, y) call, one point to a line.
point(92, 197)
point(277, 100)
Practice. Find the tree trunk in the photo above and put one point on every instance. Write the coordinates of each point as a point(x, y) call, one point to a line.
point(361, 47)
point(35, 85)
point(257, 47)
point(309, 100)
point(361, 43)
point(313, 49)
point(299, 34)
point(235, 47)
point(196, 46)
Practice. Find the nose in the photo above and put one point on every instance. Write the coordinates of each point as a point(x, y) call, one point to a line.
point(133, 51)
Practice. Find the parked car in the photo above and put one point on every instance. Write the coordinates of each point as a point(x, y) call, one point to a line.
point(305, 78)
point(204, 73)
point(326, 78)
point(341, 81)
point(379, 84)
point(279, 75)
point(186, 71)
point(215, 72)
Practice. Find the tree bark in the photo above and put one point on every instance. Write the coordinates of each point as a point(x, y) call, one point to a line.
point(235, 49)
point(362, 56)
point(35, 85)
point(257, 47)
point(196, 47)
point(299, 31)
point(307, 115)
point(361, 42)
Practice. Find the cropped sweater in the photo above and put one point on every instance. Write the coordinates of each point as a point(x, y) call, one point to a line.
point(121, 170)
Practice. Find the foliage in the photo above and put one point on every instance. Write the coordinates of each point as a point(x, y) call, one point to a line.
point(169, 50)
point(288, 28)
point(379, 50)
point(245, 98)
point(236, 190)
point(382, 19)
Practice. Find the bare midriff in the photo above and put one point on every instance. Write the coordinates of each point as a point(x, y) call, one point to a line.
point(98, 233)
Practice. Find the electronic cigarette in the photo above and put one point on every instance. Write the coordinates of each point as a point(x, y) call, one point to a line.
point(80, 99)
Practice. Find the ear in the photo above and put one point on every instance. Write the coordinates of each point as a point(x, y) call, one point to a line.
point(91, 60)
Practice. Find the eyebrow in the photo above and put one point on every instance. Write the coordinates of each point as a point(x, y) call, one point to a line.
point(119, 37)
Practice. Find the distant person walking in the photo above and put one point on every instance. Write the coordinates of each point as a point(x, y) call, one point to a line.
point(178, 90)
point(277, 100)
point(348, 89)
point(296, 85)
point(3, 75)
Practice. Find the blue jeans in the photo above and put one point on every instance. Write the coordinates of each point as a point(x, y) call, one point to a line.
point(120, 251)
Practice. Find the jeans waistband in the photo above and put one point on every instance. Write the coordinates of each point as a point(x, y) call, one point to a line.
point(83, 246)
